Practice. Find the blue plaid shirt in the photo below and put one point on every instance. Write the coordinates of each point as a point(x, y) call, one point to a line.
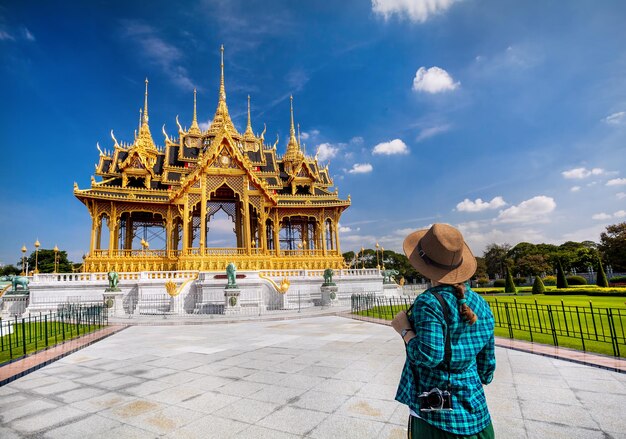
point(472, 365)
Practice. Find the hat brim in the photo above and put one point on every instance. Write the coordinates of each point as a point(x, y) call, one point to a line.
point(457, 275)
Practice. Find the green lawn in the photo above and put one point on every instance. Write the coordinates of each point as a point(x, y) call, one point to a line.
point(36, 333)
point(571, 320)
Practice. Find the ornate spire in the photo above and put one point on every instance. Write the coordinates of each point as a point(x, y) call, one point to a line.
point(145, 105)
point(222, 118)
point(249, 134)
point(144, 138)
point(194, 129)
point(293, 148)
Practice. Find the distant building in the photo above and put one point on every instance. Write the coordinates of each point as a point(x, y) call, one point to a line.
point(285, 214)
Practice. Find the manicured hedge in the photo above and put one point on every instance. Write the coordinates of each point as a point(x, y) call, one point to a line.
point(619, 292)
point(576, 280)
point(618, 280)
point(549, 281)
point(500, 283)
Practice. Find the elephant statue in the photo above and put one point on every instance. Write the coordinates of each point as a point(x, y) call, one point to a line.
point(19, 281)
point(388, 276)
point(231, 273)
point(113, 281)
point(328, 277)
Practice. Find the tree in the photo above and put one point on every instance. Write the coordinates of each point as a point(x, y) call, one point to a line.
point(45, 261)
point(533, 265)
point(538, 286)
point(561, 281)
point(509, 286)
point(390, 259)
point(601, 280)
point(481, 268)
point(7, 270)
point(496, 259)
point(613, 246)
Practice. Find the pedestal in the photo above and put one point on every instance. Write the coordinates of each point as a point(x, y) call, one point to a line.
point(231, 301)
point(113, 301)
point(391, 289)
point(329, 295)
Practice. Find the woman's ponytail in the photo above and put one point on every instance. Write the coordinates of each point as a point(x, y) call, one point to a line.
point(466, 312)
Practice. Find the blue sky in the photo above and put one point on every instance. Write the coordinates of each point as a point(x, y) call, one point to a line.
point(506, 119)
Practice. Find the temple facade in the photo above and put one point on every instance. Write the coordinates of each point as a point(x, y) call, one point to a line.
point(158, 208)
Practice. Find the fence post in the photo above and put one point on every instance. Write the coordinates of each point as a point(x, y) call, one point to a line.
point(609, 315)
point(508, 319)
point(593, 319)
point(1, 335)
point(564, 317)
point(10, 347)
point(530, 327)
point(555, 337)
point(519, 322)
point(538, 316)
point(391, 306)
point(24, 335)
point(46, 328)
point(582, 337)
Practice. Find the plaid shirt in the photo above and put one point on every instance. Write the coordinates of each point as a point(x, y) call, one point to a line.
point(473, 361)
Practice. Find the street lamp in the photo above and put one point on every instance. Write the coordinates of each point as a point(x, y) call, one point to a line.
point(382, 257)
point(377, 261)
point(56, 258)
point(23, 261)
point(362, 258)
point(37, 244)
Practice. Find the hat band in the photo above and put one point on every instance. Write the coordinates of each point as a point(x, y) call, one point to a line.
point(429, 261)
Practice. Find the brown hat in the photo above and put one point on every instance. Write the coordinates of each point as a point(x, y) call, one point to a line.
point(440, 254)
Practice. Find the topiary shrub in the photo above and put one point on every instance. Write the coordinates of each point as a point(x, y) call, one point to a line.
point(538, 286)
point(499, 283)
point(617, 280)
point(520, 281)
point(549, 281)
point(509, 286)
point(576, 280)
point(601, 277)
point(561, 281)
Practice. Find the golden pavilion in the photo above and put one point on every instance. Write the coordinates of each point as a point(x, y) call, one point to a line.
point(284, 212)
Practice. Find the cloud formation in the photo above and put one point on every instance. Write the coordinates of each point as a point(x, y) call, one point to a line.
point(361, 168)
point(606, 216)
point(580, 173)
point(616, 182)
point(326, 151)
point(620, 195)
point(395, 146)
point(433, 80)
point(575, 189)
point(415, 10)
point(616, 118)
point(429, 132)
point(478, 205)
point(533, 210)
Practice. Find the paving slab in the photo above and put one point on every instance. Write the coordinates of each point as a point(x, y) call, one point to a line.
point(318, 377)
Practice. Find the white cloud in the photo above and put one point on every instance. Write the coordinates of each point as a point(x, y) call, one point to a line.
point(326, 151)
point(616, 182)
point(620, 195)
point(616, 118)
point(415, 10)
point(5, 36)
point(28, 35)
point(575, 188)
point(601, 216)
point(433, 80)
point(468, 205)
point(429, 132)
point(620, 214)
point(356, 140)
point(361, 168)
point(480, 234)
point(529, 211)
point(395, 146)
point(306, 135)
point(580, 173)
point(347, 229)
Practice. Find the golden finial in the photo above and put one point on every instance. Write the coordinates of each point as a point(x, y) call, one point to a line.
point(145, 104)
point(222, 88)
point(249, 134)
point(249, 123)
point(292, 131)
point(194, 129)
point(180, 128)
point(140, 119)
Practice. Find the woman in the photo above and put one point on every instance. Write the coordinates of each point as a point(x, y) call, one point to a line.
point(446, 398)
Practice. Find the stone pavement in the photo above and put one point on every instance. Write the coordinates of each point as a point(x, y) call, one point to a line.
point(321, 377)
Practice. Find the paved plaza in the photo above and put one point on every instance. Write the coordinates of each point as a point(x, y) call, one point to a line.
point(320, 377)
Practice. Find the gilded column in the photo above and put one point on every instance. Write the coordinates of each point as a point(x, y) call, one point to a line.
point(168, 230)
point(263, 230)
point(246, 215)
point(128, 239)
point(336, 230)
point(185, 223)
point(276, 233)
point(94, 226)
point(202, 214)
point(324, 234)
point(98, 232)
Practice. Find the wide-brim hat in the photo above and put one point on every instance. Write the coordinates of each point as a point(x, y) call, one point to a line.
point(440, 254)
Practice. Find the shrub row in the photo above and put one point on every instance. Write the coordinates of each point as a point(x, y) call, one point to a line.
point(619, 292)
point(618, 280)
point(576, 280)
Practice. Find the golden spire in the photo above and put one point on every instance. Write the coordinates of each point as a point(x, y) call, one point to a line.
point(222, 118)
point(249, 134)
point(293, 149)
point(145, 105)
point(194, 129)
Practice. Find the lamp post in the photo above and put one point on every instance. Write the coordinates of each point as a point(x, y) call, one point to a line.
point(23, 273)
point(37, 244)
point(362, 258)
point(377, 261)
point(56, 258)
point(382, 257)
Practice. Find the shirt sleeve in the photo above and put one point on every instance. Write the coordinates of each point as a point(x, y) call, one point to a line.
point(486, 361)
point(427, 347)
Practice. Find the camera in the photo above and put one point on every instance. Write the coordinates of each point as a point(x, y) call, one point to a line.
point(435, 400)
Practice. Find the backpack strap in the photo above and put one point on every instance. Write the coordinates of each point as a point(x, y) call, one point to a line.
point(448, 346)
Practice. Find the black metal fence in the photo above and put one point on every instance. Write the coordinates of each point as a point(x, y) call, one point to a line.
point(20, 336)
point(586, 326)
